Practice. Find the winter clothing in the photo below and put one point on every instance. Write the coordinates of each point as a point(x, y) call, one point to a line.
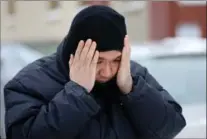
point(43, 103)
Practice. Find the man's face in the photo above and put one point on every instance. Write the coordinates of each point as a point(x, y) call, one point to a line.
point(108, 65)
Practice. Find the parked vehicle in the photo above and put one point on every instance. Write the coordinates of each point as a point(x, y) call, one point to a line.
point(182, 71)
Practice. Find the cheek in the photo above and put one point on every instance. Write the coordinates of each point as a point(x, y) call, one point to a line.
point(115, 67)
point(98, 69)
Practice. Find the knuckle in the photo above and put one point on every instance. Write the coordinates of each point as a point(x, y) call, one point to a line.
point(92, 49)
point(88, 58)
point(76, 66)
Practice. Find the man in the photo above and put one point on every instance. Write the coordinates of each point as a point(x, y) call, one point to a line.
point(89, 89)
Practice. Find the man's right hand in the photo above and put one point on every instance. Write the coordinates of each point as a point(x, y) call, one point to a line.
point(83, 64)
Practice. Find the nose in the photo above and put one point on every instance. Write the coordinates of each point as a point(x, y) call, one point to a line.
point(106, 72)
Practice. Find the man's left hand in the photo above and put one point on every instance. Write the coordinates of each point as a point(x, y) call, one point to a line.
point(124, 78)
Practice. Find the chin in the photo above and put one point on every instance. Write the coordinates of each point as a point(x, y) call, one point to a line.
point(102, 81)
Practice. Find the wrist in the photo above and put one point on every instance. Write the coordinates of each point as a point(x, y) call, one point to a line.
point(128, 86)
point(88, 90)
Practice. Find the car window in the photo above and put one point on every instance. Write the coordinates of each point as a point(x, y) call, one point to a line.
point(14, 59)
point(183, 77)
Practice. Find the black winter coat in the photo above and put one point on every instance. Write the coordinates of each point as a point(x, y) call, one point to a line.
point(42, 103)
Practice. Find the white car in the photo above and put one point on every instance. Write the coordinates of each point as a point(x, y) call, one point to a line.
point(13, 58)
point(183, 73)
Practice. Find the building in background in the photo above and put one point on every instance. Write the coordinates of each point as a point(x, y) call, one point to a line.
point(40, 21)
point(35, 20)
point(137, 19)
point(177, 18)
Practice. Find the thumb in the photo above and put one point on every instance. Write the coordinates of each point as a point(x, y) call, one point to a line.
point(71, 60)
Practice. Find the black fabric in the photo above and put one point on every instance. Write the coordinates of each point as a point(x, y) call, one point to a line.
point(100, 23)
point(42, 103)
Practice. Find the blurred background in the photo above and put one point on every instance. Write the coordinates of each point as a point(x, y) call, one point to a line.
point(168, 37)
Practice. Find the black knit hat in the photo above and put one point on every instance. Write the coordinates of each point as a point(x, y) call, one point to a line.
point(101, 24)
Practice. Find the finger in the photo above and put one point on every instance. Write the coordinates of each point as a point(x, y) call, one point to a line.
point(125, 59)
point(95, 59)
point(79, 50)
point(85, 49)
point(91, 53)
point(126, 43)
point(71, 60)
point(125, 40)
point(124, 55)
point(128, 48)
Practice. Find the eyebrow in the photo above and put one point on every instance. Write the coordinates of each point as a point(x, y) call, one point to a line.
point(117, 58)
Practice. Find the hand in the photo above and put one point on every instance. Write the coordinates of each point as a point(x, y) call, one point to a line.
point(83, 64)
point(124, 78)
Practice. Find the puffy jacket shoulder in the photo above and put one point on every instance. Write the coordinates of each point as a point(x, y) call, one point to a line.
point(41, 78)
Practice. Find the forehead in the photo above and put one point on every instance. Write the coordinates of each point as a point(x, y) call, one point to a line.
point(109, 55)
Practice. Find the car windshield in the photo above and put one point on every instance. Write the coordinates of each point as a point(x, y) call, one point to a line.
point(183, 76)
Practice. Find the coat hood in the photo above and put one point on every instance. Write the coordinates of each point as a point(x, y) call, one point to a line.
point(100, 23)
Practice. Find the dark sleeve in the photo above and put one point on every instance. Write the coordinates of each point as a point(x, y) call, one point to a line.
point(27, 117)
point(152, 110)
